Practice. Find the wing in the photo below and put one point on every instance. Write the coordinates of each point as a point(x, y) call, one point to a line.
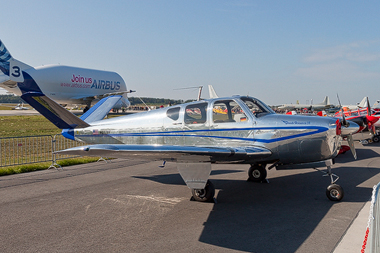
point(170, 153)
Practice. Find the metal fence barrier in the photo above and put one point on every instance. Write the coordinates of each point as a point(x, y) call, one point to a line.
point(34, 149)
point(374, 222)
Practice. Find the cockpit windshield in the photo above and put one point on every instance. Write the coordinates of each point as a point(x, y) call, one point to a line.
point(256, 107)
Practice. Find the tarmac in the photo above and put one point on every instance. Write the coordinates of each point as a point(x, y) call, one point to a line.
point(135, 206)
point(351, 239)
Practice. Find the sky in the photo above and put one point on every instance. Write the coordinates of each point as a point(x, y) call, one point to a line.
point(276, 51)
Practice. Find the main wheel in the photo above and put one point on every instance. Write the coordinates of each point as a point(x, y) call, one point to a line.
point(257, 173)
point(334, 192)
point(376, 138)
point(206, 194)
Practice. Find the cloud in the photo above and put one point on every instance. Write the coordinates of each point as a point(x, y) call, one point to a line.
point(356, 51)
point(344, 63)
point(342, 71)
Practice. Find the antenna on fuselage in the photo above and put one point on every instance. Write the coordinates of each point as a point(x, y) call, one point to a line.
point(194, 87)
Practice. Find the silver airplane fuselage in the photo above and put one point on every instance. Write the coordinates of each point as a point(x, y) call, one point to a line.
point(233, 122)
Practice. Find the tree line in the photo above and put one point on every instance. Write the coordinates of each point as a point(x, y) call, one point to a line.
point(11, 99)
point(134, 100)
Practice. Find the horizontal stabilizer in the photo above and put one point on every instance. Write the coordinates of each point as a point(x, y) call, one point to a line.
point(101, 109)
point(167, 152)
point(54, 112)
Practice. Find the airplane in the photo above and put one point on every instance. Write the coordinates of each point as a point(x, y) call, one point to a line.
point(17, 107)
point(366, 118)
point(63, 84)
point(348, 108)
point(195, 136)
point(376, 105)
point(20, 107)
point(324, 105)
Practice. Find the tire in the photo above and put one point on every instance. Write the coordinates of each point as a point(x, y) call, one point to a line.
point(334, 192)
point(257, 173)
point(376, 138)
point(206, 194)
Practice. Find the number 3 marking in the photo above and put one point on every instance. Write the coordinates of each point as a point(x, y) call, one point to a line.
point(16, 71)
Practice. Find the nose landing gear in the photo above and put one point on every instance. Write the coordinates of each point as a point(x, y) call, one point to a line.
point(334, 191)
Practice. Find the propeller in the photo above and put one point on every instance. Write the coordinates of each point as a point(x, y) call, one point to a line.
point(346, 124)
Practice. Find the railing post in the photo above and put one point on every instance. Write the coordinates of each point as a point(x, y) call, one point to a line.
point(54, 164)
point(374, 222)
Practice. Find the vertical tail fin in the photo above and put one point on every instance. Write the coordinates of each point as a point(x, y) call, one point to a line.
point(5, 57)
point(326, 101)
point(212, 92)
point(363, 103)
point(10, 66)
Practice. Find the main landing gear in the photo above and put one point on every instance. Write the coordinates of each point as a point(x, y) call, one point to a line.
point(204, 195)
point(257, 173)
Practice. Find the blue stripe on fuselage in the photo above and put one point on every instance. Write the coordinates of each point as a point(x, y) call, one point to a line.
point(187, 133)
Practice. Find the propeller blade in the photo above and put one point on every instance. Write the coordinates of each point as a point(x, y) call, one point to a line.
point(344, 121)
point(371, 129)
point(370, 119)
point(368, 108)
point(351, 144)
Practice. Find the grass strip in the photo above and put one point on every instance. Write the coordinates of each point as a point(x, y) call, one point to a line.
point(45, 165)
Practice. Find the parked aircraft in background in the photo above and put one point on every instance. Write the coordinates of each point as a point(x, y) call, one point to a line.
point(317, 107)
point(63, 84)
point(362, 104)
point(17, 107)
point(365, 117)
point(21, 107)
point(194, 135)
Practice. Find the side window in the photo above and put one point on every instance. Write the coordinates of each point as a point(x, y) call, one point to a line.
point(173, 113)
point(227, 111)
point(255, 107)
point(196, 113)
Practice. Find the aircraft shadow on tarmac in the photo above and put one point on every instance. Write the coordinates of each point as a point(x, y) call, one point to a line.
point(176, 179)
point(279, 216)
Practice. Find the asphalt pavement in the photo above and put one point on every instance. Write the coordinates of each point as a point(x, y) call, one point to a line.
point(135, 206)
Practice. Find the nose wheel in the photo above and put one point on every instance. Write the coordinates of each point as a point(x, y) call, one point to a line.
point(334, 192)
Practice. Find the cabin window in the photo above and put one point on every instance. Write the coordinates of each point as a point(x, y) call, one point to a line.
point(173, 113)
point(196, 113)
point(256, 107)
point(227, 111)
